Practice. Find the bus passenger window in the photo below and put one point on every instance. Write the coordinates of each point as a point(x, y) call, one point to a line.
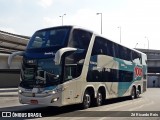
point(80, 39)
point(70, 72)
point(136, 57)
point(110, 49)
point(116, 50)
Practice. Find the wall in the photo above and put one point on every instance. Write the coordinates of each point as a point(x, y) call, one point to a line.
point(150, 82)
point(9, 76)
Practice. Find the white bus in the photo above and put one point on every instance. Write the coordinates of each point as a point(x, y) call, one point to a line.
point(70, 65)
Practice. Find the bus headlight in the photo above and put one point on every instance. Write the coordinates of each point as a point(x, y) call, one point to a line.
point(54, 100)
point(54, 92)
point(19, 91)
point(57, 90)
point(51, 92)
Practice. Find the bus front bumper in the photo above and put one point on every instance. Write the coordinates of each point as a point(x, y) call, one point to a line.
point(50, 100)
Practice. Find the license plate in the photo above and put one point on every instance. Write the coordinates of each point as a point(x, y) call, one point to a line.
point(34, 101)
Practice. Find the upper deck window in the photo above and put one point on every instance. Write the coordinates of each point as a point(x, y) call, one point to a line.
point(80, 39)
point(49, 37)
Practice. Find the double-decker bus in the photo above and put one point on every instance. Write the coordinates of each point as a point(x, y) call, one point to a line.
point(70, 65)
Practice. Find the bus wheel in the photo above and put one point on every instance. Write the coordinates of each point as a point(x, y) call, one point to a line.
point(137, 94)
point(133, 93)
point(99, 99)
point(86, 100)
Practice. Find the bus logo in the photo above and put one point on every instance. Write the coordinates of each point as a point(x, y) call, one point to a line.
point(138, 72)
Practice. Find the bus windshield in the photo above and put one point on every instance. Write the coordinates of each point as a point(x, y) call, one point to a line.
point(47, 73)
point(49, 38)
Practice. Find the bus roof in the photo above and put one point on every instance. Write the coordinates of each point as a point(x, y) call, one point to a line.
point(120, 44)
point(96, 34)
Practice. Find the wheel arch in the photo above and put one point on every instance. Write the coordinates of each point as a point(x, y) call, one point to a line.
point(91, 90)
point(102, 89)
point(133, 86)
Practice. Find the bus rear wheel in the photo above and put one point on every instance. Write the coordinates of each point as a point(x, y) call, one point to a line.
point(137, 94)
point(99, 99)
point(86, 100)
point(133, 93)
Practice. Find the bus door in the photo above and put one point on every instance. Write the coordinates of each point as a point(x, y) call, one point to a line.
point(70, 84)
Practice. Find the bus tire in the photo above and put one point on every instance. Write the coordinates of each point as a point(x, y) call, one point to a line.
point(137, 94)
point(99, 99)
point(86, 100)
point(133, 93)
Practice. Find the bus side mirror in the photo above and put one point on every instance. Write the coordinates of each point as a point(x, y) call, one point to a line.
point(11, 56)
point(60, 53)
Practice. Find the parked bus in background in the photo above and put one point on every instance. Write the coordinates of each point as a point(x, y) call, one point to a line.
point(70, 65)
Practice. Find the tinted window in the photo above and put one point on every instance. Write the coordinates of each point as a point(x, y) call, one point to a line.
point(116, 50)
point(49, 38)
point(125, 53)
point(102, 46)
point(80, 39)
point(111, 75)
point(136, 57)
point(74, 62)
